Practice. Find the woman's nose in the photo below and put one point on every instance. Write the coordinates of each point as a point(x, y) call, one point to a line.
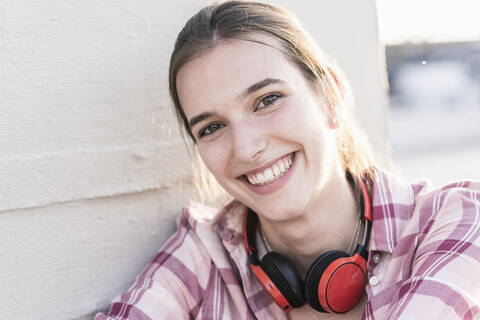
point(249, 142)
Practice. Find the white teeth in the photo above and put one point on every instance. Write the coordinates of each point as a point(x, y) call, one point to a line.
point(260, 177)
point(268, 174)
point(276, 171)
point(271, 174)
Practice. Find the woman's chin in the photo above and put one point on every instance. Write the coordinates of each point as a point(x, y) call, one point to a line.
point(280, 212)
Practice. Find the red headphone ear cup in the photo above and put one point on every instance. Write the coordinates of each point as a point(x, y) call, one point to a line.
point(314, 274)
point(284, 275)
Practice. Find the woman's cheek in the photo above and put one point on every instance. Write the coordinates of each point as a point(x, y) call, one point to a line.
point(214, 156)
point(285, 120)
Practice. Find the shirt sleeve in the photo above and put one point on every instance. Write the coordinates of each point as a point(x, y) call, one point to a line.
point(169, 287)
point(146, 300)
point(445, 279)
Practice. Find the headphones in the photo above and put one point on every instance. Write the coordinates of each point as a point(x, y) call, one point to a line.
point(334, 282)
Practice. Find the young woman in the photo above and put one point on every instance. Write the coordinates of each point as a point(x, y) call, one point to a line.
point(315, 230)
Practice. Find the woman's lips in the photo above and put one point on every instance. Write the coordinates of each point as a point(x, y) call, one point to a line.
point(272, 172)
point(263, 182)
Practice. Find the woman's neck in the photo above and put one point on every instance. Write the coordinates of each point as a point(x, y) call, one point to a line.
point(328, 223)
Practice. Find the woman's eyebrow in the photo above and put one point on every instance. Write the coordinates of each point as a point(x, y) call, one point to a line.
point(259, 85)
point(199, 118)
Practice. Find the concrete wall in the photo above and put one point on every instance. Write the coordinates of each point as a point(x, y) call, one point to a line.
point(92, 168)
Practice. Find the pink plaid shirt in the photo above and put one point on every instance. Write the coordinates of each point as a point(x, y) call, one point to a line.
point(424, 261)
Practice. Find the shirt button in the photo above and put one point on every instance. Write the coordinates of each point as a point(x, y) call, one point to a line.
point(376, 258)
point(374, 281)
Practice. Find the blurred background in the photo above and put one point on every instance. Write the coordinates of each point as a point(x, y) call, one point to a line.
point(432, 51)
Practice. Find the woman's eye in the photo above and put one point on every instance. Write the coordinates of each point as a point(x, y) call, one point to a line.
point(211, 128)
point(268, 100)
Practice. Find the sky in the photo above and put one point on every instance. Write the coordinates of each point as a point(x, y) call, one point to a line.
point(428, 20)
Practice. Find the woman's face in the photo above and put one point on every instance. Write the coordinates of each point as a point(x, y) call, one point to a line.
point(261, 128)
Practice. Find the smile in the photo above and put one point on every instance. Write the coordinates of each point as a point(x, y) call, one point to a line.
point(272, 173)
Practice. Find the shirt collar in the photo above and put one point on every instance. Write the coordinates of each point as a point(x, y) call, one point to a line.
point(229, 225)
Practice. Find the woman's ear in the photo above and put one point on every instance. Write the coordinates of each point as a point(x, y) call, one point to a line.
point(335, 89)
point(332, 121)
point(336, 81)
point(334, 92)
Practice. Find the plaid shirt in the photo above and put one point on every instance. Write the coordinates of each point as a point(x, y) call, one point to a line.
point(424, 261)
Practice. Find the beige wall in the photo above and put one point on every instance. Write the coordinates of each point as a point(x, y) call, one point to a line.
point(92, 168)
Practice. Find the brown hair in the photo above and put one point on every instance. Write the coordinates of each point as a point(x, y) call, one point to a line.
point(246, 20)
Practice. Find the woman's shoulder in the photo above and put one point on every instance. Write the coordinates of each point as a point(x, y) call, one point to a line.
point(393, 191)
point(450, 214)
point(403, 209)
point(455, 199)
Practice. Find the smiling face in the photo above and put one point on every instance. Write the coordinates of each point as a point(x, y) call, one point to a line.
point(261, 128)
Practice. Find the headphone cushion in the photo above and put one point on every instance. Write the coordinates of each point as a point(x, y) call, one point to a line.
point(283, 274)
point(314, 275)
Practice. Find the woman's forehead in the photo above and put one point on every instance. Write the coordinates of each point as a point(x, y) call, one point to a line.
point(229, 59)
point(225, 71)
